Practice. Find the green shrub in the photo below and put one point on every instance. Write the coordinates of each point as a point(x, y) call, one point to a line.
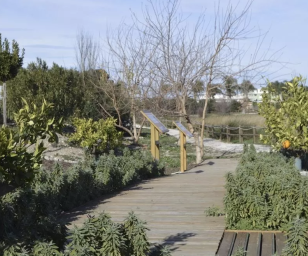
point(290, 121)
point(17, 165)
point(135, 236)
point(213, 211)
point(266, 192)
point(98, 236)
point(29, 214)
point(96, 136)
point(297, 241)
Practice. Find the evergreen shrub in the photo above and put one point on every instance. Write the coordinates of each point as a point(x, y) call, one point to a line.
point(98, 236)
point(266, 192)
point(31, 213)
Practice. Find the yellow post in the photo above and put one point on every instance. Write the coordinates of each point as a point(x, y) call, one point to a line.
point(154, 142)
point(183, 152)
point(156, 135)
point(156, 128)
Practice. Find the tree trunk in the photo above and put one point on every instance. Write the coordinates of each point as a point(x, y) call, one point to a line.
point(4, 105)
point(198, 148)
point(203, 125)
point(195, 133)
point(134, 127)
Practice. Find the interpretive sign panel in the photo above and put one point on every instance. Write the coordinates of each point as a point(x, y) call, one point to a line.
point(183, 129)
point(153, 120)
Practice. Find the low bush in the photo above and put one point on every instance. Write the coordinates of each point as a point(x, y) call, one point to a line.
point(266, 192)
point(98, 236)
point(18, 165)
point(96, 136)
point(29, 214)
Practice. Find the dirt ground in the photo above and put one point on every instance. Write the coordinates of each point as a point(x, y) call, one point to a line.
point(67, 155)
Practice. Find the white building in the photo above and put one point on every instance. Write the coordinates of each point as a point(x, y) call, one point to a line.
point(253, 96)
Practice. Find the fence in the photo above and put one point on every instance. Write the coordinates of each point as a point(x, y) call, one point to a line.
point(240, 134)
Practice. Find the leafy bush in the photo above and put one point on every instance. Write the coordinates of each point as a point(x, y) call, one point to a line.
point(98, 236)
point(297, 242)
point(266, 192)
point(96, 136)
point(213, 211)
point(17, 165)
point(29, 214)
point(290, 122)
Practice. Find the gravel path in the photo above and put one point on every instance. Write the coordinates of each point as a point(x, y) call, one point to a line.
point(64, 153)
point(218, 145)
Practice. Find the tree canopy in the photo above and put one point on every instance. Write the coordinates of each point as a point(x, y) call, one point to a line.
point(11, 59)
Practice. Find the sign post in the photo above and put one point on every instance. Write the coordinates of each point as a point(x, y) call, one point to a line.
point(183, 133)
point(156, 128)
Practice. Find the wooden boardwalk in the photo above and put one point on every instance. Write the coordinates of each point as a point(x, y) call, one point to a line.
point(173, 208)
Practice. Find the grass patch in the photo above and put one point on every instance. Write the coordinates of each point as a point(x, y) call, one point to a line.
point(169, 150)
point(233, 120)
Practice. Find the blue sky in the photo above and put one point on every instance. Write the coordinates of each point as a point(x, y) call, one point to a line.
point(48, 28)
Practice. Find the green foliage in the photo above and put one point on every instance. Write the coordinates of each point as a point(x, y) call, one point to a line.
point(136, 237)
point(246, 87)
point(46, 249)
point(98, 236)
point(239, 252)
point(31, 213)
point(58, 85)
point(290, 122)
point(96, 136)
point(230, 86)
point(266, 192)
point(16, 250)
point(18, 165)
point(213, 211)
point(161, 250)
point(297, 241)
point(235, 106)
point(10, 59)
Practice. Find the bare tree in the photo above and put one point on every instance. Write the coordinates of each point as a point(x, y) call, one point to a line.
point(109, 96)
point(87, 53)
point(129, 55)
point(204, 51)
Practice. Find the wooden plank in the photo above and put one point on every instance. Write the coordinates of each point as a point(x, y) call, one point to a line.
point(240, 242)
point(173, 208)
point(252, 244)
point(280, 242)
point(267, 242)
point(226, 243)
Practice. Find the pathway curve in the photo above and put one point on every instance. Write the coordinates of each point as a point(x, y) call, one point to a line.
point(173, 207)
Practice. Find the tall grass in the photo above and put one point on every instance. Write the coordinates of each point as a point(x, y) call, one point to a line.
point(233, 120)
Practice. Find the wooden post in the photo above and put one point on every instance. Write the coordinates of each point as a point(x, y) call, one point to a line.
point(154, 142)
point(221, 131)
point(254, 134)
point(240, 134)
point(228, 134)
point(4, 104)
point(183, 133)
point(212, 131)
point(183, 152)
point(156, 128)
point(156, 133)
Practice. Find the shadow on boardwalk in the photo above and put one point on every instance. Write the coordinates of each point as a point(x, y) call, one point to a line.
point(173, 207)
